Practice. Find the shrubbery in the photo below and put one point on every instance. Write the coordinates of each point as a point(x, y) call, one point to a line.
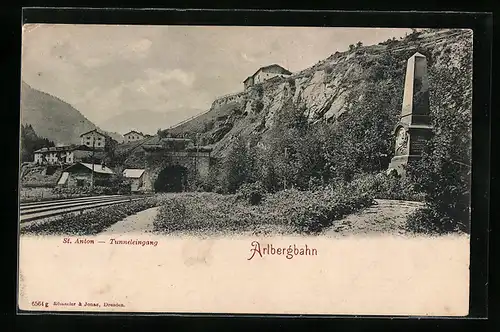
point(433, 221)
point(252, 193)
point(383, 186)
point(319, 209)
point(66, 192)
point(285, 211)
point(257, 106)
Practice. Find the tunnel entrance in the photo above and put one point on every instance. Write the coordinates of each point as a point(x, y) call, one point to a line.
point(171, 179)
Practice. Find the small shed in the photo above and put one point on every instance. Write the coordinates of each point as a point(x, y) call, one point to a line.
point(135, 176)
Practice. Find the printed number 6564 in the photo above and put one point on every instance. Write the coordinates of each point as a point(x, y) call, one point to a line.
point(39, 304)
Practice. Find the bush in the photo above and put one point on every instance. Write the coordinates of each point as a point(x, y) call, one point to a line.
point(319, 209)
point(173, 214)
point(260, 90)
point(208, 126)
point(38, 184)
point(238, 166)
point(252, 193)
point(257, 106)
point(431, 221)
point(67, 192)
point(383, 186)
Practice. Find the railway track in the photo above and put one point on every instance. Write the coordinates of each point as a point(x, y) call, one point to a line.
point(48, 209)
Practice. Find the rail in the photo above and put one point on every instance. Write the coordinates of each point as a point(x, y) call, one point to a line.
point(48, 209)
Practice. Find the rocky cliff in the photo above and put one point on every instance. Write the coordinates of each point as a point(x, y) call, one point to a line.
point(334, 85)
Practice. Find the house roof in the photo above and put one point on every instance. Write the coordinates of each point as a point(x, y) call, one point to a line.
point(57, 148)
point(97, 131)
point(97, 168)
point(285, 71)
point(63, 178)
point(133, 173)
point(132, 132)
point(64, 148)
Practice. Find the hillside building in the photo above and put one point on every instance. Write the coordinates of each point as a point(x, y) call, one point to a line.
point(65, 155)
point(94, 138)
point(264, 74)
point(135, 178)
point(133, 136)
point(80, 175)
point(248, 82)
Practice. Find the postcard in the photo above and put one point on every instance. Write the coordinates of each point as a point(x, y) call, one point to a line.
point(245, 170)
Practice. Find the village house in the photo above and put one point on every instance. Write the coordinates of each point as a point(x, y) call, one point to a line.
point(64, 155)
point(248, 82)
point(133, 136)
point(94, 138)
point(135, 177)
point(80, 175)
point(265, 73)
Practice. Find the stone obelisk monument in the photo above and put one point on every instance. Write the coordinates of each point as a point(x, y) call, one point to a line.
point(414, 126)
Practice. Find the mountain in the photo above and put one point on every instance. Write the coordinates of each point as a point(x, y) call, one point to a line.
point(53, 118)
point(147, 121)
point(361, 79)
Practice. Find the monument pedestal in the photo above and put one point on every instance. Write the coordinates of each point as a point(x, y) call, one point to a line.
point(410, 145)
point(398, 163)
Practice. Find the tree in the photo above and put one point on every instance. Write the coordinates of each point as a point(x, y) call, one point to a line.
point(351, 47)
point(362, 140)
point(30, 142)
point(238, 166)
point(359, 44)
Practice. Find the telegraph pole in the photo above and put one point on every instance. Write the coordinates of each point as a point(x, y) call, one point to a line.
point(286, 163)
point(92, 160)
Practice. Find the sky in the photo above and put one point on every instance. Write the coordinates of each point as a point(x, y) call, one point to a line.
point(107, 71)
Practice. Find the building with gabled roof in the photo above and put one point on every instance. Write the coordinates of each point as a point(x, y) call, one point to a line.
point(82, 175)
point(63, 155)
point(265, 73)
point(94, 139)
point(135, 177)
point(133, 136)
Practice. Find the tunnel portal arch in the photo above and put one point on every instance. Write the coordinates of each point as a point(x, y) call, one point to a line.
point(172, 178)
